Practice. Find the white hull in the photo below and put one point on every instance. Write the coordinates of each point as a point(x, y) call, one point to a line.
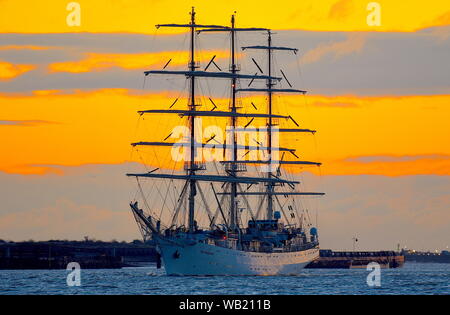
point(204, 259)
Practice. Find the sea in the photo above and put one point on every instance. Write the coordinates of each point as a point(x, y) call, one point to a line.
point(412, 278)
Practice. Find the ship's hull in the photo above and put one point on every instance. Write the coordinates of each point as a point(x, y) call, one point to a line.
point(203, 259)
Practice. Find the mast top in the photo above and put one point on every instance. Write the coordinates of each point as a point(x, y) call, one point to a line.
point(190, 25)
point(295, 50)
point(229, 29)
point(232, 28)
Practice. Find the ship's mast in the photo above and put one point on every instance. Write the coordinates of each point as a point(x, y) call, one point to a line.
point(233, 201)
point(270, 186)
point(270, 191)
point(191, 177)
point(234, 165)
point(191, 169)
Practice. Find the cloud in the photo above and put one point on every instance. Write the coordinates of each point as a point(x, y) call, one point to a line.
point(383, 211)
point(66, 219)
point(10, 71)
point(397, 158)
point(26, 47)
point(88, 200)
point(353, 44)
point(392, 165)
point(26, 123)
point(33, 169)
point(441, 33)
point(387, 64)
point(332, 103)
point(341, 9)
point(105, 61)
point(443, 19)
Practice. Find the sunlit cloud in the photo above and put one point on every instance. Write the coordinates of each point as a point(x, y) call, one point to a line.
point(333, 72)
point(442, 33)
point(10, 71)
point(353, 44)
point(48, 92)
point(31, 169)
point(419, 166)
point(26, 123)
point(341, 9)
point(433, 164)
point(397, 158)
point(333, 103)
point(26, 47)
point(105, 61)
point(443, 19)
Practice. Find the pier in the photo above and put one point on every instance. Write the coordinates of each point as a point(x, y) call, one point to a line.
point(357, 259)
point(442, 257)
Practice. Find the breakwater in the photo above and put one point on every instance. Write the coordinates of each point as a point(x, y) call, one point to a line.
point(89, 254)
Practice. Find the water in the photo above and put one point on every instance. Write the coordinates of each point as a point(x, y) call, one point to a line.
point(413, 278)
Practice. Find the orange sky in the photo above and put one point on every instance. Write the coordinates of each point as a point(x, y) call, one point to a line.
point(49, 16)
point(97, 127)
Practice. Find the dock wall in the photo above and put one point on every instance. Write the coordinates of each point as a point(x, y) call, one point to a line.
point(349, 260)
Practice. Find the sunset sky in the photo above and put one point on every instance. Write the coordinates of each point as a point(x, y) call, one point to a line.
point(379, 97)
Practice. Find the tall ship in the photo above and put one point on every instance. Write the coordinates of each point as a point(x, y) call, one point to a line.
point(236, 210)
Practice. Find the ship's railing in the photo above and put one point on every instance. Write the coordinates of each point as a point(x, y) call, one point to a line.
point(226, 243)
point(196, 166)
point(295, 248)
point(237, 167)
point(234, 244)
point(329, 253)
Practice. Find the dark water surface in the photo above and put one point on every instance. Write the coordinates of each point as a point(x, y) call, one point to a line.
point(413, 278)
